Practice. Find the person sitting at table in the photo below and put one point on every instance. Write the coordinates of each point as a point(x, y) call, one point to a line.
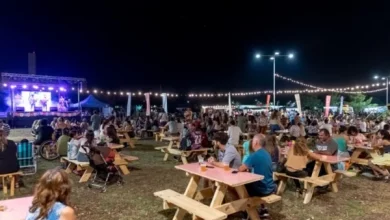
point(295, 131)
point(382, 142)
point(386, 127)
point(297, 159)
point(180, 125)
point(104, 126)
point(8, 150)
point(327, 126)
point(227, 153)
point(44, 133)
point(272, 148)
point(51, 197)
point(355, 136)
point(172, 127)
point(247, 148)
point(62, 142)
point(312, 129)
point(112, 136)
point(198, 138)
point(84, 125)
point(260, 163)
point(216, 125)
point(85, 144)
point(234, 133)
point(325, 146)
point(341, 138)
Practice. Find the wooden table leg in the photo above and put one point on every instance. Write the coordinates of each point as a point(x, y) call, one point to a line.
point(355, 157)
point(282, 185)
point(166, 154)
point(310, 187)
point(12, 185)
point(124, 169)
point(333, 183)
point(184, 159)
point(70, 168)
point(4, 186)
point(252, 212)
point(86, 175)
point(190, 192)
point(219, 195)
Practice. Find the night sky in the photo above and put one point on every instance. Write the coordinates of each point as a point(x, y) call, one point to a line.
point(197, 47)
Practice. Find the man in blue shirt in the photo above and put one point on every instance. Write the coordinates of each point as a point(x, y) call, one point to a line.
point(260, 163)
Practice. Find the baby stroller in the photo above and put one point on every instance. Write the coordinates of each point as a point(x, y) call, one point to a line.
point(105, 173)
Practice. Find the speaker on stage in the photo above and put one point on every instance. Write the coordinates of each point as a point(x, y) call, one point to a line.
point(19, 109)
point(38, 109)
point(53, 109)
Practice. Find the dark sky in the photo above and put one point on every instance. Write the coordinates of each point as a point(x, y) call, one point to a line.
point(191, 46)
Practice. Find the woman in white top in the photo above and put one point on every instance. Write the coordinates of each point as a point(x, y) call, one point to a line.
point(275, 122)
point(263, 123)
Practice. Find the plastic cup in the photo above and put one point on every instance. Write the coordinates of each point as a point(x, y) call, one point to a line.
point(226, 167)
point(203, 167)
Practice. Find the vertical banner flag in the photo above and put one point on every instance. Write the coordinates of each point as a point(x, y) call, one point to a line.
point(147, 97)
point(230, 105)
point(298, 101)
point(327, 105)
point(165, 102)
point(341, 105)
point(268, 100)
point(128, 109)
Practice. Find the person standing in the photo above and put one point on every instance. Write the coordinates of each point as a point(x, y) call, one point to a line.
point(96, 120)
point(241, 122)
point(234, 133)
point(263, 123)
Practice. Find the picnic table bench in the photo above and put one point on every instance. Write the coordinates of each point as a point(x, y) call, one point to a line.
point(125, 138)
point(10, 176)
point(358, 150)
point(79, 166)
point(190, 201)
point(172, 149)
point(315, 180)
point(121, 160)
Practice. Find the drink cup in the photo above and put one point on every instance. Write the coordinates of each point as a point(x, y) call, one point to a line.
point(226, 167)
point(203, 167)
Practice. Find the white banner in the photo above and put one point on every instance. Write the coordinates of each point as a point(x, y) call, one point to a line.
point(128, 109)
point(165, 102)
point(230, 105)
point(298, 101)
point(147, 97)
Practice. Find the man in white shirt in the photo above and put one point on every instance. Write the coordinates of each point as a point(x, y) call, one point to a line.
point(234, 133)
point(327, 126)
point(362, 126)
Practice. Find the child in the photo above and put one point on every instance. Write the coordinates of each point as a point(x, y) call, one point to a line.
point(297, 158)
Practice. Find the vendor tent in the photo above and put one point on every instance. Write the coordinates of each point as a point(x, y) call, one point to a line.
point(90, 102)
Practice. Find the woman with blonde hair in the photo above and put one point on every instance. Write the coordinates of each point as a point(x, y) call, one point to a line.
point(51, 197)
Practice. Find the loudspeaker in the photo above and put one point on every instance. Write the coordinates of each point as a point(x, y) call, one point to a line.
point(19, 109)
point(37, 109)
point(53, 109)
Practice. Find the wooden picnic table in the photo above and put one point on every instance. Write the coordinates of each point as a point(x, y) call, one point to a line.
point(16, 209)
point(125, 138)
point(119, 161)
point(331, 176)
point(223, 180)
point(358, 150)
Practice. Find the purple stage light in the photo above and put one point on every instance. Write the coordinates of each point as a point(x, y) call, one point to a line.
point(5, 84)
point(35, 86)
point(24, 86)
point(50, 88)
point(13, 86)
point(62, 89)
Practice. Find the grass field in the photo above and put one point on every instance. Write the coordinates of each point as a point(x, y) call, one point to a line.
point(358, 197)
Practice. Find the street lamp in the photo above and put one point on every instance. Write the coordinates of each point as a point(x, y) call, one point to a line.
point(387, 86)
point(273, 58)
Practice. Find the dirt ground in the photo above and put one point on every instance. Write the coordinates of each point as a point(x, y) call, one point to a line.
point(358, 197)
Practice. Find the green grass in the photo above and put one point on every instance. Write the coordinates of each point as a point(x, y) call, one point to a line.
point(358, 198)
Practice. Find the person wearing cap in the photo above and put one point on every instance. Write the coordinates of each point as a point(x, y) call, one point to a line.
point(6, 128)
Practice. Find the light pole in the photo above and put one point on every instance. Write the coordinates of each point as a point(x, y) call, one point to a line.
point(273, 58)
point(387, 86)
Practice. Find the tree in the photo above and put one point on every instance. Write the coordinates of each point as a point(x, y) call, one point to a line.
point(335, 99)
point(359, 102)
point(311, 102)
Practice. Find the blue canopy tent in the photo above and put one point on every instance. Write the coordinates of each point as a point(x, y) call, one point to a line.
point(90, 102)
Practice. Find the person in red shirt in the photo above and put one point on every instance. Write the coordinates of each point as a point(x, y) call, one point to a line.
point(198, 137)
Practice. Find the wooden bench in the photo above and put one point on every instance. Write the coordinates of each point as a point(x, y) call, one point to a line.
point(125, 138)
point(79, 166)
point(344, 173)
point(197, 209)
point(283, 177)
point(10, 176)
point(129, 158)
